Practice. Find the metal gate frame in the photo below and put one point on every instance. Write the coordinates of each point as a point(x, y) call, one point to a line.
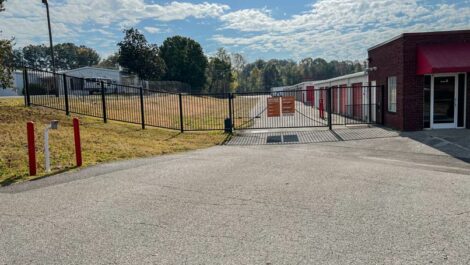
point(249, 110)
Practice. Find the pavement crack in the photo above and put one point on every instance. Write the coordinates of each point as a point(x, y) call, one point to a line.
point(148, 224)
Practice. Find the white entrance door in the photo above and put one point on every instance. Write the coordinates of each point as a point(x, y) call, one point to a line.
point(444, 99)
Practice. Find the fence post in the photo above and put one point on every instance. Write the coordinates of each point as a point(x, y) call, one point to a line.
point(142, 114)
point(103, 102)
point(66, 95)
point(55, 85)
point(230, 104)
point(229, 123)
point(26, 87)
point(328, 108)
point(370, 102)
point(181, 112)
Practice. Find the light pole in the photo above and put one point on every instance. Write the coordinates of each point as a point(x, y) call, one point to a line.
point(50, 35)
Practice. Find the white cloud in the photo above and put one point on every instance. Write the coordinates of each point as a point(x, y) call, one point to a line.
point(133, 11)
point(152, 30)
point(341, 29)
point(250, 20)
point(25, 19)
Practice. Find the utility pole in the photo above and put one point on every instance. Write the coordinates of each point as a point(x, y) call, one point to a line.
point(50, 35)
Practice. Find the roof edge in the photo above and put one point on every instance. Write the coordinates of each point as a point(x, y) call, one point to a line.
point(406, 34)
point(90, 67)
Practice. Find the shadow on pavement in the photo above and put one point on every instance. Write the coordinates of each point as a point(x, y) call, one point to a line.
point(454, 142)
point(322, 135)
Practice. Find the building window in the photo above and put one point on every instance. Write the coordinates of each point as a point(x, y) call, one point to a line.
point(392, 94)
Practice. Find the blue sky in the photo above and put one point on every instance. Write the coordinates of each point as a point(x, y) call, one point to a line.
point(332, 29)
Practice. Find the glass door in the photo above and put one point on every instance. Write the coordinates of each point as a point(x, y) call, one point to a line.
point(444, 102)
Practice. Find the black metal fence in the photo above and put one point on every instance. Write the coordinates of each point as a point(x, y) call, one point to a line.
point(200, 112)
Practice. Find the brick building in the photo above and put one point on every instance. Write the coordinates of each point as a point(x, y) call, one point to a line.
point(426, 78)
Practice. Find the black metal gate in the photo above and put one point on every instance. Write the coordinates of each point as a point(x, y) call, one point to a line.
point(306, 108)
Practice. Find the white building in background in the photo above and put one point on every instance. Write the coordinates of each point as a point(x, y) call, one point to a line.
point(350, 94)
point(94, 72)
point(114, 75)
point(345, 80)
point(16, 88)
point(313, 91)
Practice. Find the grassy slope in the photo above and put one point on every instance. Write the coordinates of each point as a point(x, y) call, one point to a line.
point(100, 142)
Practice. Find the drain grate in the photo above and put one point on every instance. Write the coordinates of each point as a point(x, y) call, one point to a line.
point(292, 138)
point(274, 139)
point(278, 139)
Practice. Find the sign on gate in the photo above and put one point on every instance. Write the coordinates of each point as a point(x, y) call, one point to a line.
point(288, 105)
point(274, 107)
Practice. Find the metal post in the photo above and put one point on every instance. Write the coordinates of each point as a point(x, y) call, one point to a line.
point(46, 149)
point(53, 125)
point(230, 107)
point(328, 108)
point(181, 112)
point(66, 94)
point(103, 102)
point(229, 122)
point(370, 102)
point(142, 114)
point(26, 87)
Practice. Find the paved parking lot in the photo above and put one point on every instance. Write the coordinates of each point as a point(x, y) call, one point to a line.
point(389, 200)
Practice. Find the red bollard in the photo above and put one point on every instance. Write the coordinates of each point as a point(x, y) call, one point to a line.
point(31, 148)
point(78, 145)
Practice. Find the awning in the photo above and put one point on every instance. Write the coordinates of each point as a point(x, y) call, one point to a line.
point(443, 58)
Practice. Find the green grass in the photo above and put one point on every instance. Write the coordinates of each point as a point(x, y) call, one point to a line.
point(100, 142)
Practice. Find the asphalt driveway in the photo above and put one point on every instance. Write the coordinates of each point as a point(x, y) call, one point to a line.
point(377, 201)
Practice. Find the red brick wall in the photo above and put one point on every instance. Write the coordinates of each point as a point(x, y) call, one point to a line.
point(389, 62)
point(398, 57)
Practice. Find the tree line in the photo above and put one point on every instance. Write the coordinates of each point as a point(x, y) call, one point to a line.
point(263, 75)
point(67, 56)
point(6, 56)
point(182, 59)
